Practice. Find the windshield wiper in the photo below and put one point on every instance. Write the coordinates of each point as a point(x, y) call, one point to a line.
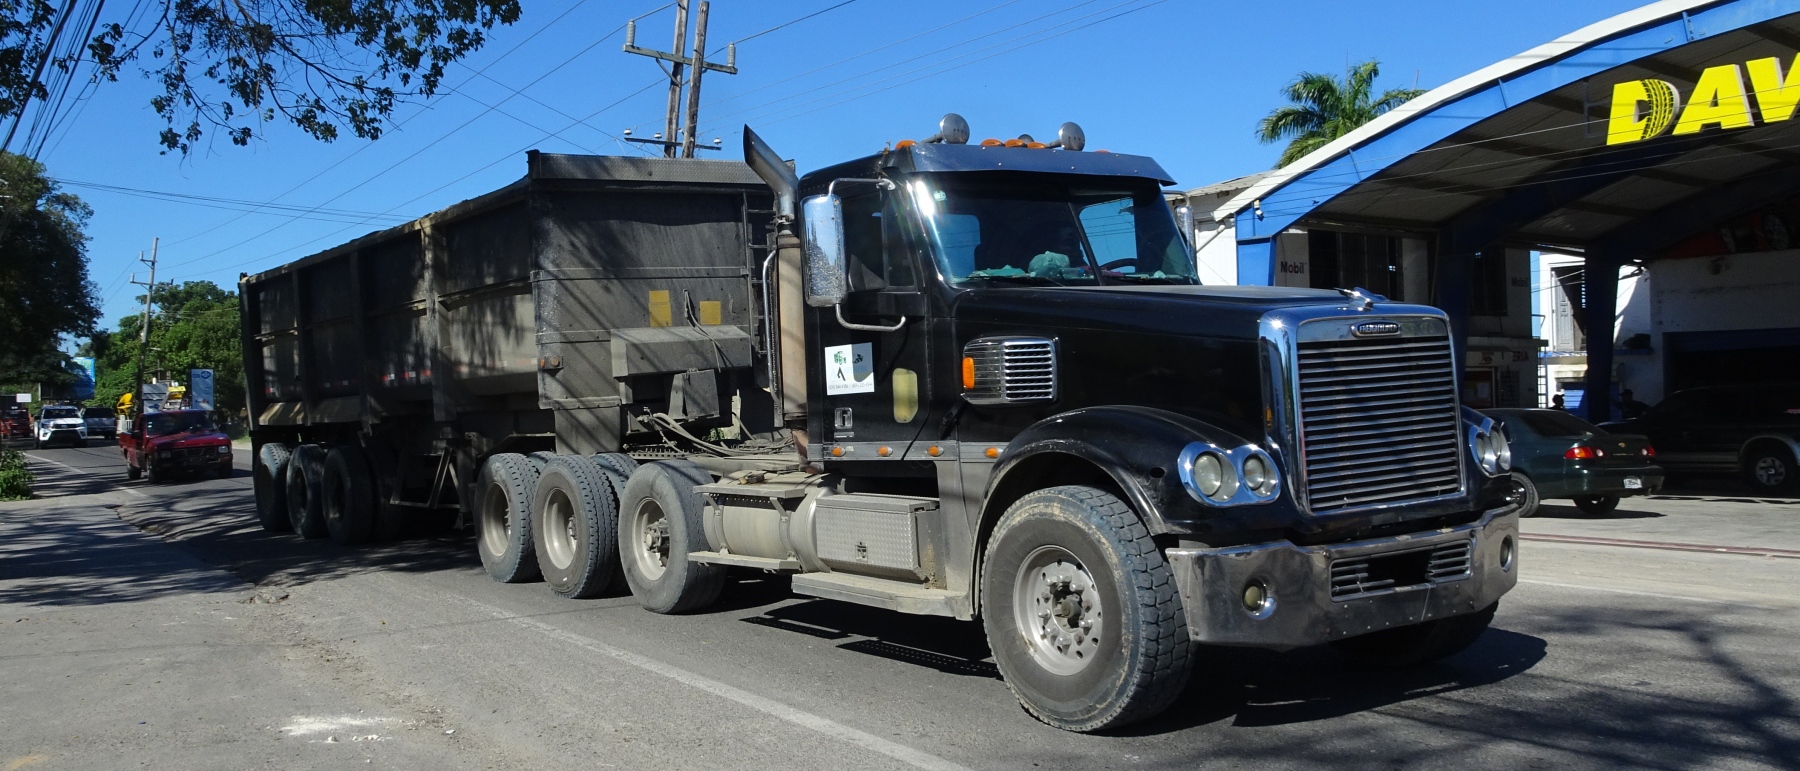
point(1019, 278)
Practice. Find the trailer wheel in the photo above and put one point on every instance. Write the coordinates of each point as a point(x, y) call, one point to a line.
point(305, 498)
point(618, 463)
point(349, 499)
point(1081, 611)
point(577, 527)
point(659, 525)
point(271, 499)
point(504, 539)
point(1411, 646)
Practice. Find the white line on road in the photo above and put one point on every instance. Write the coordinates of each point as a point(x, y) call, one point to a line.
point(80, 470)
point(763, 704)
point(1659, 595)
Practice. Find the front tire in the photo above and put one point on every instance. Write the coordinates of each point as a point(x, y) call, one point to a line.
point(1081, 611)
point(1597, 504)
point(577, 527)
point(1771, 470)
point(1524, 494)
point(269, 479)
point(504, 539)
point(659, 526)
point(1420, 643)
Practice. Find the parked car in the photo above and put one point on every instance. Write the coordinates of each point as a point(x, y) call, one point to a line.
point(59, 424)
point(1749, 430)
point(101, 422)
point(176, 442)
point(15, 422)
point(1558, 455)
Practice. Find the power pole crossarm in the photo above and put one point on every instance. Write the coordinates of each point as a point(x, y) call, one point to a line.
point(680, 63)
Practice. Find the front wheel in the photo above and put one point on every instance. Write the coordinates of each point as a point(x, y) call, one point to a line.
point(1420, 643)
point(1597, 504)
point(1771, 470)
point(1524, 494)
point(1081, 611)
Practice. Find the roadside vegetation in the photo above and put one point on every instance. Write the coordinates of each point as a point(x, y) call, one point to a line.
point(194, 325)
point(15, 476)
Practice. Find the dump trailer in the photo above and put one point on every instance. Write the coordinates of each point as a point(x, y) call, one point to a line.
point(970, 380)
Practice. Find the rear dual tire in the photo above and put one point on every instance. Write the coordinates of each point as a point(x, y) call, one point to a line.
point(305, 490)
point(659, 526)
point(269, 478)
point(576, 532)
point(504, 518)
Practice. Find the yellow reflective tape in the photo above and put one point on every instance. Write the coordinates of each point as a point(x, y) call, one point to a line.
point(711, 313)
point(1719, 100)
point(660, 313)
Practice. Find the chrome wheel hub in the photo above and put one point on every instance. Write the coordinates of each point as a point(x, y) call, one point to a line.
point(1059, 610)
point(651, 531)
point(559, 530)
point(1770, 471)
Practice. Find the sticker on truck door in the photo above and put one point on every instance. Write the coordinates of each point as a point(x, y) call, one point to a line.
point(850, 369)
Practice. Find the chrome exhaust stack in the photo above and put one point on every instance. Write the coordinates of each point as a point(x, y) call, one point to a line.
point(787, 337)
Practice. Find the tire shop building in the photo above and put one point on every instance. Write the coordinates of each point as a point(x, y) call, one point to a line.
point(1659, 147)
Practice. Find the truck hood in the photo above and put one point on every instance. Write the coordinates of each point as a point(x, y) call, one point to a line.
point(1230, 312)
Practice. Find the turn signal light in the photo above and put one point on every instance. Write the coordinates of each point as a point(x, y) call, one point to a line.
point(1581, 452)
point(903, 144)
point(968, 373)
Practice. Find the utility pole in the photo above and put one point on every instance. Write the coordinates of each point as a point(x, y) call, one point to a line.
point(137, 393)
point(679, 64)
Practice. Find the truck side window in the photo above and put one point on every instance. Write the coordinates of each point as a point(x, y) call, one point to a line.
point(873, 245)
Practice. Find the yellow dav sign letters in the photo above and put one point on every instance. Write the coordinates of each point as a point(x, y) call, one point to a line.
point(1642, 109)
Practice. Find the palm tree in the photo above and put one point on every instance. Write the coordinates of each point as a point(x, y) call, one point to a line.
point(1325, 107)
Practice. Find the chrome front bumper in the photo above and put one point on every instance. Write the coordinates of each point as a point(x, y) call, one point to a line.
point(1298, 579)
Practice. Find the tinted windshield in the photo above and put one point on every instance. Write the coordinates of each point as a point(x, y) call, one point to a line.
point(1555, 423)
point(166, 423)
point(1000, 229)
point(59, 412)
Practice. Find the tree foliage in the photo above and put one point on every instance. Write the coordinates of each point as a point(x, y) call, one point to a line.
point(44, 289)
point(194, 326)
point(1324, 107)
point(234, 65)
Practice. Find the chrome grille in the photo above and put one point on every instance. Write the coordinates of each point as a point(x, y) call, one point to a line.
point(1012, 369)
point(1354, 577)
point(1378, 421)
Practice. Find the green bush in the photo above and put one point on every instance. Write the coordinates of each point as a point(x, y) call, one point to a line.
point(15, 476)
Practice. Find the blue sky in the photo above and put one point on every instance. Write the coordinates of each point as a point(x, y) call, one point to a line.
point(1181, 80)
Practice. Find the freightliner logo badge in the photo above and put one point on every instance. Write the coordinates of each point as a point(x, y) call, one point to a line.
point(1375, 329)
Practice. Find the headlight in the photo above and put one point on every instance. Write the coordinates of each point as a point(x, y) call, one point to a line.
point(224, 450)
point(1502, 450)
point(1219, 477)
point(1489, 446)
point(1209, 474)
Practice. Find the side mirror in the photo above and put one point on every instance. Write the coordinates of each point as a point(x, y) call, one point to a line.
point(827, 281)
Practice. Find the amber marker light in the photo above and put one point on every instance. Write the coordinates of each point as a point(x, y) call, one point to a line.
point(968, 373)
point(884, 451)
point(993, 452)
point(990, 142)
point(837, 452)
point(903, 144)
point(934, 451)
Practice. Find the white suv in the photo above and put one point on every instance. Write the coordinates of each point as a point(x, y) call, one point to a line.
point(61, 424)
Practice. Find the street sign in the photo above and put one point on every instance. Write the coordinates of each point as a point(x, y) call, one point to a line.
point(200, 389)
point(154, 394)
point(22, 398)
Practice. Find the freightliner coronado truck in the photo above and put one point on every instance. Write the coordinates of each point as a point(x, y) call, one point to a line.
point(976, 381)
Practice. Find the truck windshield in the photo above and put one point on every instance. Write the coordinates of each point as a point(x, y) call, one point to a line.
point(59, 412)
point(163, 424)
point(1010, 229)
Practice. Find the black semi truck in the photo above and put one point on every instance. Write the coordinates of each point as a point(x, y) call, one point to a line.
point(977, 381)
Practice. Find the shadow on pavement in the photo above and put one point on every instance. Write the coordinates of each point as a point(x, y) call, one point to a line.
point(944, 644)
point(84, 557)
point(1569, 511)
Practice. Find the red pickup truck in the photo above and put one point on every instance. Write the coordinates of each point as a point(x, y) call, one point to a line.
point(175, 442)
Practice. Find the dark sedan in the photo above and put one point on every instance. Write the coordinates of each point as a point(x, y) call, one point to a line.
point(1558, 455)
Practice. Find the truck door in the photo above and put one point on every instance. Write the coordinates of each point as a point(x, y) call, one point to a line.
point(873, 384)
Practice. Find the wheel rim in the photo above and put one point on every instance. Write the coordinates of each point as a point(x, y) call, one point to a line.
point(559, 529)
point(1770, 471)
point(650, 539)
point(496, 521)
point(1515, 492)
point(1057, 607)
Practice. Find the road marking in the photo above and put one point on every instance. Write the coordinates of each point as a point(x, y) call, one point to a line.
point(1659, 595)
point(85, 471)
point(1663, 545)
point(768, 706)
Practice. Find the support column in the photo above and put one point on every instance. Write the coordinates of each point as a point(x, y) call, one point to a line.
point(1256, 262)
point(1600, 285)
point(1452, 290)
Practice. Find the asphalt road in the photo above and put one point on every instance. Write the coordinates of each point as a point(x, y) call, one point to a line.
point(158, 626)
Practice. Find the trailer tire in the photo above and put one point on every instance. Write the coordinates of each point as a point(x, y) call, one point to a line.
point(504, 518)
point(577, 527)
point(1411, 646)
point(1077, 664)
point(305, 491)
point(618, 463)
point(349, 499)
point(659, 525)
point(271, 499)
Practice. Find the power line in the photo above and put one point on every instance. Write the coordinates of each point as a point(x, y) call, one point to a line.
point(229, 204)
